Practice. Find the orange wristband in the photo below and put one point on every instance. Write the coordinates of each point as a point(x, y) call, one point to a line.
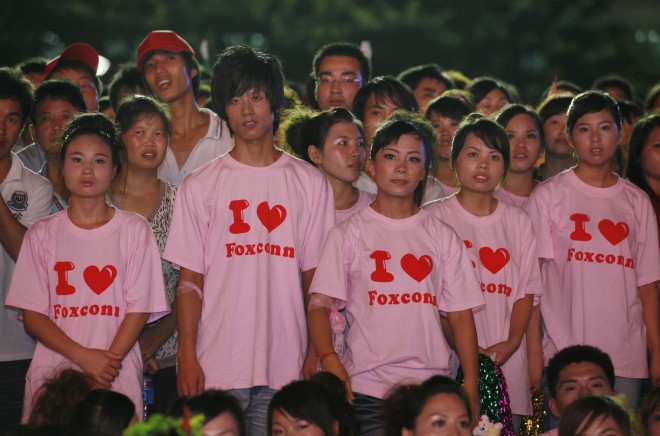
point(324, 355)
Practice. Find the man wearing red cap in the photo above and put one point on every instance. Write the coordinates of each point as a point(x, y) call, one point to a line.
point(77, 64)
point(171, 71)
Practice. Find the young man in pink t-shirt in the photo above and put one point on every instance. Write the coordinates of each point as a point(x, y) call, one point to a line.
point(245, 228)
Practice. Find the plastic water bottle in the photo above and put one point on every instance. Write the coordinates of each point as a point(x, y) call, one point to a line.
point(147, 396)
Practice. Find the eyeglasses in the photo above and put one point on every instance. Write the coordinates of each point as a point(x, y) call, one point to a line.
point(343, 80)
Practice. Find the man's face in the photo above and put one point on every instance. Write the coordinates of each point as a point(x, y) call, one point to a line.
point(428, 89)
point(167, 76)
point(578, 380)
point(338, 80)
point(51, 117)
point(10, 124)
point(84, 82)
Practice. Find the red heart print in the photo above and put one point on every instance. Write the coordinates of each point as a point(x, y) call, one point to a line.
point(614, 233)
point(416, 268)
point(271, 218)
point(99, 280)
point(494, 261)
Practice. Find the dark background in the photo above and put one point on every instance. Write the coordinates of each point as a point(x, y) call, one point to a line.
point(525, 42)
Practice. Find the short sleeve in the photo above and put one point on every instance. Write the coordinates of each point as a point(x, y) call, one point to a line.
point(538, 210)
point(321, 220)
point(331, 276)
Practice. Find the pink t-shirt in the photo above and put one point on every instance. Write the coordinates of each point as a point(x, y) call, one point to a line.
point(364, 200)
point(393, 277)
point(509, 198)
point(503, 249)
point(599, 246)
point(86, 281)
point(251, 231)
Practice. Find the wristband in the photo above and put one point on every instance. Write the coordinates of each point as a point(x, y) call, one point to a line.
point(324, 355)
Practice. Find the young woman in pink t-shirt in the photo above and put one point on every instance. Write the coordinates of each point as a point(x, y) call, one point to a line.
point(88, 277)
point(597, 238)
point(394, 267)
point(333, 141)
point(500, 240)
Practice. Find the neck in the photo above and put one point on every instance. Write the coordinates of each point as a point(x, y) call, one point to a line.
point(598, 177)
point(519, 183)
point(345, 194)
point(184, 112)
point(444, 173)
point(477, 203)
point(555, 164)
point(136, 180)
point(257, 153)
point(89, 213)
point(395, 208)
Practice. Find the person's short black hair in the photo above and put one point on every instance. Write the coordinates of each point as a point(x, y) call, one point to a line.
point(448, 106)
point(630, 110)
point(405, 403)
point(506, 114)
point(586, 411)
point(553, 105)
point(310, 401)
point(75, 65)
point(93, 123)
point(211, 404)
point(127, 76)
point(343, 49)
point(562, 87)
point(401, 123)
point(638, 138)
point(33, 65)
point(304, 127)
point(103, 413)
point(240, 68)
point(486, 129)
point(14, 86)
point(413, 75)
point(58, 90)
point(577, 354)
point(482, 86)
point(388, 88)
point(590, 102)
point(651, 97)
point(614, 80)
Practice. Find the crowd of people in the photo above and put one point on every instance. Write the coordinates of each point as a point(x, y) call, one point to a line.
point(323, 260)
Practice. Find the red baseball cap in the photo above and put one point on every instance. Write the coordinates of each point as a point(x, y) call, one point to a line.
point(79, 51)
point(165, 40)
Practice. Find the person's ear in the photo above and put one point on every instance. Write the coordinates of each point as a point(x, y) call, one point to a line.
point(370, 168)
point(314, 154)
point(406, 432)
point(553, 407)
point(335, 427)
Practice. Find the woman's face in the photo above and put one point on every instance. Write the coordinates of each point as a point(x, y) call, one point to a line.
point(343, 153)
point(594, 138)
point(87, 168)
point(492, 102)
point(286, 425)
point(445, 128)
point(524, 142)
point(146, 142)
point(443, 414)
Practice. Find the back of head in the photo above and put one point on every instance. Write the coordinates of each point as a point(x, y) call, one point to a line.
point(343, 49)
point(103, 413)
point(241, 68)
point(577, 354)
point(592, 410)
point(590, 102)
point(14, 86)
point(57, 399)
point(385, 88)
point(405, 403)
point(58, 90)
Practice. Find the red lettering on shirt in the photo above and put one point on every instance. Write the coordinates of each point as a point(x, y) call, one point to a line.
point(271, 218)
point(417, 268)
point(239, 225)
point(63, 287)
point(614, 233)
point(580, 233)
point(380, 274)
